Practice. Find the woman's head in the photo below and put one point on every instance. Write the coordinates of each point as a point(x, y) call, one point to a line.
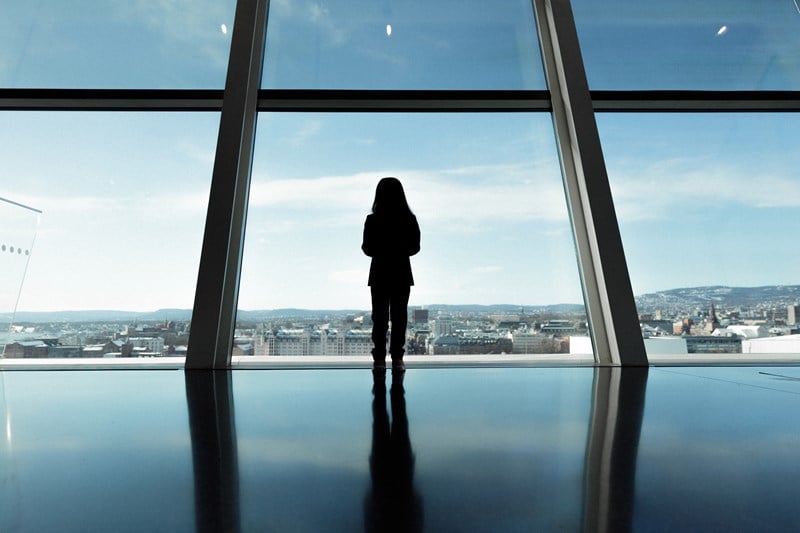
point(390, 197)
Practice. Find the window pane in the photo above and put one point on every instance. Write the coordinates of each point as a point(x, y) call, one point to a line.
point(367, 44)
point(685, 44)
point(497, 256)
point(709, 213)
point(102, 44)
point(124, 198)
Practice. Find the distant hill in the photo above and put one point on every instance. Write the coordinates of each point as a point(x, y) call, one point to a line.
point(183, 315)
point(506, 308)
point(683, 299)
point(104, 315)
point(720, 296)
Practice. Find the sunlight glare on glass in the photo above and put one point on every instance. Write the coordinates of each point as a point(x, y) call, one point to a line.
point(224, 29)
point(722, 31)
point(388, 30)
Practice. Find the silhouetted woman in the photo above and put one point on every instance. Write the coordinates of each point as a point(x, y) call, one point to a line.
point(391, 236)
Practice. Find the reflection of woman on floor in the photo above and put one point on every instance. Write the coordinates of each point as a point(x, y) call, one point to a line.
point(392, 504)
point(391, 235)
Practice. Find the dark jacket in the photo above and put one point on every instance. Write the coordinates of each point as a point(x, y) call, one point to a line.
point(389, 241)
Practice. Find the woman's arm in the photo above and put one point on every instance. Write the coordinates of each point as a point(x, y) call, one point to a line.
point(414, 237)
point(368, 242)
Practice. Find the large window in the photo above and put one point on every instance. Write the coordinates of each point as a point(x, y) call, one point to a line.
point(708, 210)
point(497, 270)
point(123, 198)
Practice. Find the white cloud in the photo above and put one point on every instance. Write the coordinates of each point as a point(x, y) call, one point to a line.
point(195, 152)
point(313, 194)
point(352, 276)
point(655, 191)
point(486, 269)
point(149, 205)
point(333, 30)
point(306, 131)
point(460, 196)
point(186, 22)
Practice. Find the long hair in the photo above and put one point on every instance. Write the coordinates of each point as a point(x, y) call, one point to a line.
point(390, 199)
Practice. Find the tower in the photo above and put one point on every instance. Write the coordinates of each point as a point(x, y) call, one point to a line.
point(713, 321)
point(792, 314)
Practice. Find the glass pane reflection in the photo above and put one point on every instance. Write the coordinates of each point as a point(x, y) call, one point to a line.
point(709, 211)
point(69, 438)
point(685, 44)
point(512, 440)
point(18, 226)
point(367, 44)
point(718, 450)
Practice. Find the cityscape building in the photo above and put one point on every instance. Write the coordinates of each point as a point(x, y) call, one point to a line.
point(792, 314)
point(419, 316)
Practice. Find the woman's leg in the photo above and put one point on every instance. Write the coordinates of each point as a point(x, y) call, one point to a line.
point(399, 313)
point(380, 322)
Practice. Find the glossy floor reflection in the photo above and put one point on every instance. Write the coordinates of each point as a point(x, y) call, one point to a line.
point(461, 449)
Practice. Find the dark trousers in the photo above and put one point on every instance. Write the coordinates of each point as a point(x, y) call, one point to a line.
point(389, 303)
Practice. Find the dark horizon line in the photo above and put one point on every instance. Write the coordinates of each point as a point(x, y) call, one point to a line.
point(303, 309)
point(167, 311)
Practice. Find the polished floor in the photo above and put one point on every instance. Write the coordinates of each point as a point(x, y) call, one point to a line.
point(459, 449)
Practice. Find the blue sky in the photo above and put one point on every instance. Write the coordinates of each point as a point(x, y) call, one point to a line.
point(705, 199)
point(446, 44)
point(701, 199)
point(143, 44)
point(486, 190)
point(686, 44)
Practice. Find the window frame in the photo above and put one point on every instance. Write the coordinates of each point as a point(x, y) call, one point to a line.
point(611, 310)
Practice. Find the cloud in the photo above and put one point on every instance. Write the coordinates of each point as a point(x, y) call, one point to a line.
point(352, 276)
point(195, 152)
point(313, 194)
point(162, 204)
point(458, 196)
point(333, 31)
point(487, 269)
point(306, 131)
point(187, 22)
point(657, 190)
